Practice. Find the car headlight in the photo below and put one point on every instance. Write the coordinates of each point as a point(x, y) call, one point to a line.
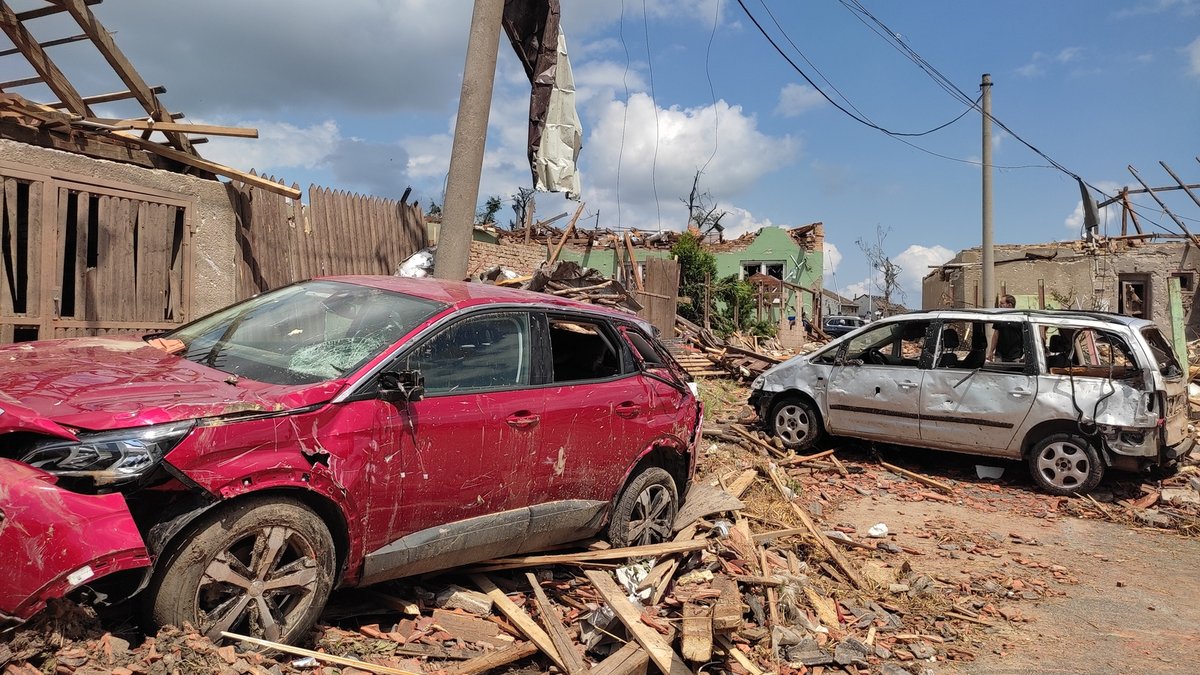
point(109, 459)
point(758, 382)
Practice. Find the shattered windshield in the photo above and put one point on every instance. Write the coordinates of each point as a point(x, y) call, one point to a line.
point(301, 334)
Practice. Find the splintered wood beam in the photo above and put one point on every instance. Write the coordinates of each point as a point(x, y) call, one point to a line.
point(204, 164)
point(667, 659)
point(47, 43)
point(37, 57)
point(23, 82)
point(151, 125)
point(554, 628)
point(108, 98)
point(523, 621)
point(48, 11)
point(116, 58)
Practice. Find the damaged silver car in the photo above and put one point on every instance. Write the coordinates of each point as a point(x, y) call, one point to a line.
point(1072, 393)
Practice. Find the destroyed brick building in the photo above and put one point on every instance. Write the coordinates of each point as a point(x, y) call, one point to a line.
point(1125, 276)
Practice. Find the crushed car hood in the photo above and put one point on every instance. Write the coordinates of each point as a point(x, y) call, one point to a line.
point(116, 382)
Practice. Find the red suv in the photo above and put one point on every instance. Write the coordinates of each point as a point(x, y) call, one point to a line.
point(336, 432)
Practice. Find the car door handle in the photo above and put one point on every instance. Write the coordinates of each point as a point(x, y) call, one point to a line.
point(906, 385)
point(521, 420)
point(627, 409)
point(1020, 393)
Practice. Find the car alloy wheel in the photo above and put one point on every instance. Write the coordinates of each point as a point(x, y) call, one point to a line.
point(264, 579)
point(262, 567)
point(645, 512)
point(1065, 464)
point(795, 423)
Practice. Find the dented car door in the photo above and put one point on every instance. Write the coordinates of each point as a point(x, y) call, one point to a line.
point(456, 456)
point(874, 388)
point(970, 404)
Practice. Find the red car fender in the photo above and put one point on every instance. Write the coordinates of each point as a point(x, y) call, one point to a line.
point(315, 481)
point(54, 541)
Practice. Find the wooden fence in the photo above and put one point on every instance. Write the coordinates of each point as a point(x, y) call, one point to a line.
point(281, 240)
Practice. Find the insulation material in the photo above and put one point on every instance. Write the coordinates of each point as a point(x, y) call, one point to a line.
point(555, 133)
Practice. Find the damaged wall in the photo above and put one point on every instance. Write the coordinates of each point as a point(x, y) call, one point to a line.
point(208, 259)
point(520, 258)
point(1076, 275)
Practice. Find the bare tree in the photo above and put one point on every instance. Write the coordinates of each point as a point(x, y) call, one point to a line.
point(887, 283)
point(702, 211)
point(522, 203)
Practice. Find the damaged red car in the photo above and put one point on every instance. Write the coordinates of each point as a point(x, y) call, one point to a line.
point(336, 432)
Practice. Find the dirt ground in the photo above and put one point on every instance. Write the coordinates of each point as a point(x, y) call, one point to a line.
point(1128, 604)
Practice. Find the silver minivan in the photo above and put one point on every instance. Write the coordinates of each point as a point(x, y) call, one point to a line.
point(1073, 393)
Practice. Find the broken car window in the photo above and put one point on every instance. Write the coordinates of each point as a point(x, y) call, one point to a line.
point(483, 352)
point(304, 333)
point(582, 351)
point(1164, 355)
point(961, 345)
point(893, 344)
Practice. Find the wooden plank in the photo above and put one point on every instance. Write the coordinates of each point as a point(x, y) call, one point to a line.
point(630, 659)
point(319, 656)
point(41, 62)
point(697, 633)
point(849, 570)
point(738, 656)
point(727, 612)
point(84, 275)
point(924, 480)
point(648, 551)
point(470, 628)
point(206, 165)
point(30, 267)
point(502, 657)
point(523, 622)
point(667, 660)
point(152, 125)
point(124, 69)
point(633, 264)
point(704, 500)
point(566, 235)
point(553, 623)
point(1177, 318)
point(127, 216)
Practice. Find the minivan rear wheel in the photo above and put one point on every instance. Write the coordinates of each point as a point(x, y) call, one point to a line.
point(1065, 464)
point(262, 567)
point(796, 422)
point(645, 512)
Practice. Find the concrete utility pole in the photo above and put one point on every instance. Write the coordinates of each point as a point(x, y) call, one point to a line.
point(470, 137)
point(989, 262)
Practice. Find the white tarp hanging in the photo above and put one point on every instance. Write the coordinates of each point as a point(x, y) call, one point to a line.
point(555, 165)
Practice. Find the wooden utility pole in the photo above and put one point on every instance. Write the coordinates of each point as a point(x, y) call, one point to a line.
point(470, 137)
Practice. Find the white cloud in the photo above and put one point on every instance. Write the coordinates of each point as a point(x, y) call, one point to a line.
point(856, 289)
point(833, 258)
point(914, 263)
point(739, 221)
point(279, 146)
point(795, 99)
point(624, 141)
point(1069, 54)
point(1185, 7)
point(1193, 51)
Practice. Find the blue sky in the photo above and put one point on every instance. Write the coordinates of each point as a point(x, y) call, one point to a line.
point(361, 95)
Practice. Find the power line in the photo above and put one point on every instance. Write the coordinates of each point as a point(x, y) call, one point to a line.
point(711, 90)
point(891, 37)
point(854, 116)
point(654, 106)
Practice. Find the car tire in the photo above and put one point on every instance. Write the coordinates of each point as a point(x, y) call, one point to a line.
point(1065, 464)
point(795, 422)
point(262, 567)
point(645, 512)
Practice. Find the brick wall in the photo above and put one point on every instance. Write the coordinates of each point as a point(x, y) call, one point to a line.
point(520, 258)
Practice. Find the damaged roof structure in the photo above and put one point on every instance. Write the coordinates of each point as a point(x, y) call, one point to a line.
point(117, 224)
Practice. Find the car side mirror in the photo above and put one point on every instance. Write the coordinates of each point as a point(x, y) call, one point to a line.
point(401, 385)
